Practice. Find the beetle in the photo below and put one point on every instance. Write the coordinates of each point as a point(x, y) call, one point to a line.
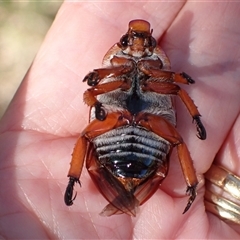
point(132, 126)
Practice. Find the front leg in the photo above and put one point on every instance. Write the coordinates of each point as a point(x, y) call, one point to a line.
point(153, 69)
point(120, 66)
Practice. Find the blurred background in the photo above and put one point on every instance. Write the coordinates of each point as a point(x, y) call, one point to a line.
point(23, 25)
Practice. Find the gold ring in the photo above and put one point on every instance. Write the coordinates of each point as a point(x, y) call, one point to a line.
point(222, 195)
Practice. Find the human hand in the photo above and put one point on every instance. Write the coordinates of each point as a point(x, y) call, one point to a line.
point(47, 114)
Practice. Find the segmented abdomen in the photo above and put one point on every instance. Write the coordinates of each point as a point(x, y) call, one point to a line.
point(131, 151)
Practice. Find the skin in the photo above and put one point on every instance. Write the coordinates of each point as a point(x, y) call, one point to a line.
point(46, 115)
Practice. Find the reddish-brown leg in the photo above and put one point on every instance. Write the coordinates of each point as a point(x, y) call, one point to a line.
point(90, 94)
point(94, 129)
point(81, 149)
point(119, 67)
point(170, 88)
point(75, 170)
point(90, 99)
point(152, 68)
point(167, 131)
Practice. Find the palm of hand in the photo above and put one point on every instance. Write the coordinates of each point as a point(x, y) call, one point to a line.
point(40, 127)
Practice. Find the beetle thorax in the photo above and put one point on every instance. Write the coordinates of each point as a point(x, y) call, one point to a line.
point(136, 100)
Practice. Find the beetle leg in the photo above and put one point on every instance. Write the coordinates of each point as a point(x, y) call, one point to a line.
point(81, 149)
point(90, 99)
point(75, 170)
point(113, 120)
point(78, 157)
point(119, 67)
point(170, 88)
point(94, 129)
point(166, 130)
point(152, 68)
point(89, 96)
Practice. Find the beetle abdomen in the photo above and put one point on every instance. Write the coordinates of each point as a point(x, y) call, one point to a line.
point(131, 151)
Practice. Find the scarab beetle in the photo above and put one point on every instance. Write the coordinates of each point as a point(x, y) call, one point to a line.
point(131, 133)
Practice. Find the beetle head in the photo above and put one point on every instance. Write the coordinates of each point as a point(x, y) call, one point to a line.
point(138, 41)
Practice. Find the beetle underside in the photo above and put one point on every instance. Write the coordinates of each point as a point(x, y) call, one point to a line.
point(131, 133)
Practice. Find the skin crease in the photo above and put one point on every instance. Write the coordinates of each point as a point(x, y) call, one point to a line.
point(46, 115)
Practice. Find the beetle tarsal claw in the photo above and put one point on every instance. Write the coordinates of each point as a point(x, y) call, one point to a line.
point(201, 131)
point(187, 77)
point(192, 192)
point(68, 196)
point(92, 78)
point(100, 112)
